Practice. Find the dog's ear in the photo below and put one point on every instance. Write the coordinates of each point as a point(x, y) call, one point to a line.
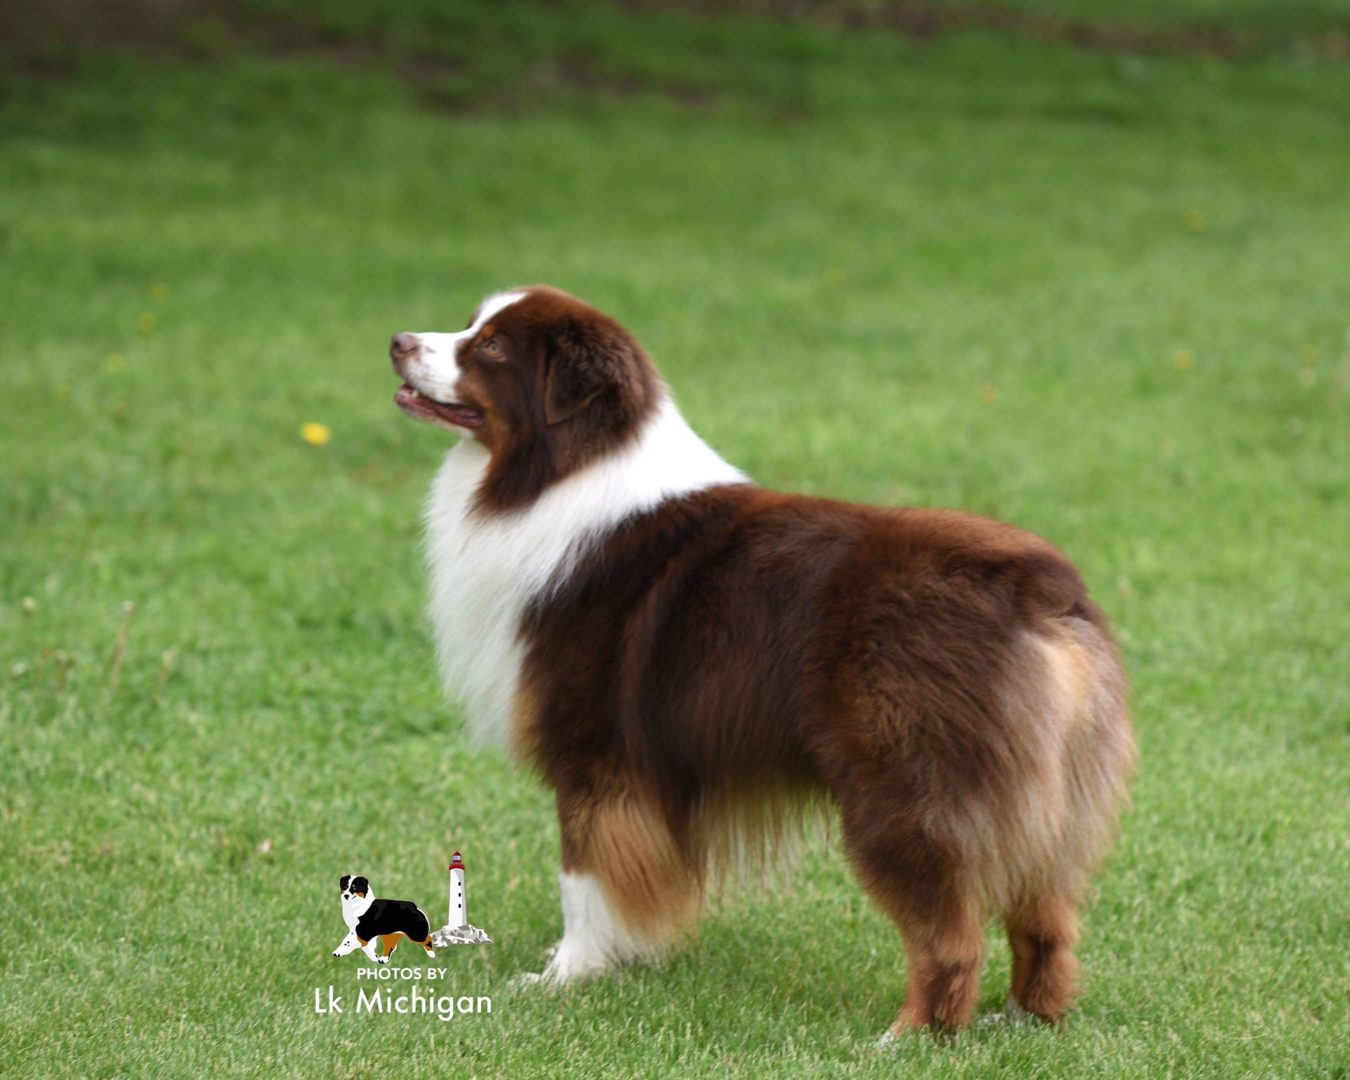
point(343, 883)
point(588, 358)
point(360, 884)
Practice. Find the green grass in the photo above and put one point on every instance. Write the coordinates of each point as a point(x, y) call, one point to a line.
point(1100, 296)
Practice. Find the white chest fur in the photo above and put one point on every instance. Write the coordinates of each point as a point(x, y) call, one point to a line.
point(485, 572)
point(354, 907)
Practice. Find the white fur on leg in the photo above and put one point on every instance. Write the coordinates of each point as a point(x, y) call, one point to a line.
point(594, 937)
point(349, 944)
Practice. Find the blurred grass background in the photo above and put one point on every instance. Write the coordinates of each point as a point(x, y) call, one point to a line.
point(1077, 265)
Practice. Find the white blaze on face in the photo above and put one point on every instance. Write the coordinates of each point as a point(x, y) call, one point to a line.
point(434, 370)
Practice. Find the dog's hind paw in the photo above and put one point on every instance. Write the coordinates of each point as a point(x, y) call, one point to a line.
point(1012, 1015)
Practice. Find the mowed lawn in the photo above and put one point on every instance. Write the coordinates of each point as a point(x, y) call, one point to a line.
point(1102, 296)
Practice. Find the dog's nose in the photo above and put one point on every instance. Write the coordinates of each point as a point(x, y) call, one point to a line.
point(403, 345)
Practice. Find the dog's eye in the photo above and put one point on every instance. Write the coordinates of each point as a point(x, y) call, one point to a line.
point(492, 347)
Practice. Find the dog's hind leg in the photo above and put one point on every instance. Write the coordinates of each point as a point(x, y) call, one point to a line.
point(1042, 933)
point(942, 926)
point(390, 942)
point(945, 956)
point(427, 945)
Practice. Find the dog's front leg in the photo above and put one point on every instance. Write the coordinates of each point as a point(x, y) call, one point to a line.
point(349, 944)
point(594, 937)
point(369, 949)
point(625, 889)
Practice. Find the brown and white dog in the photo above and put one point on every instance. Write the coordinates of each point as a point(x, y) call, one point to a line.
point(686, 657)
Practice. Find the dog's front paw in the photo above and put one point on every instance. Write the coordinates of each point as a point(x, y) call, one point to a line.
point(571, 965)
point(525, 980)
point(336, 953)
point(381, 959)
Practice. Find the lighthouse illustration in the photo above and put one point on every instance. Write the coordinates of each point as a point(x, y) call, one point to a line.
point(456, 868)
point(457, 930)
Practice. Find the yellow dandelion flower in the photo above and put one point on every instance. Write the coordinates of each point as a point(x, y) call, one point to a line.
point(1182, 360)
point(159, 291)
point(1195, 221)
point(315, 434)
point(1309, 354)
point(988, 393)
point(145, 323)
point(63, 393)
point(29, 605)
point(115, 361)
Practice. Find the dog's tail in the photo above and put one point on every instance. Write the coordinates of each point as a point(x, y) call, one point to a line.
point(1070, 755)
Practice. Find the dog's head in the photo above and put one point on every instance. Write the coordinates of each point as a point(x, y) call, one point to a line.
point(544, 382)
point(354, 887)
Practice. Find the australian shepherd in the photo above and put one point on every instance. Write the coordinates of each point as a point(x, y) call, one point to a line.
point(686, 657)
point(390, 921)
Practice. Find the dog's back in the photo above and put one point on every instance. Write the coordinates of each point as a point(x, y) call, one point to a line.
point(385, 917)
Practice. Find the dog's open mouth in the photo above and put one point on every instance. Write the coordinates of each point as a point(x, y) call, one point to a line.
point(423, 408)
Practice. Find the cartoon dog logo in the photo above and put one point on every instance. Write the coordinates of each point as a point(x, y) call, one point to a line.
point(388, 920)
